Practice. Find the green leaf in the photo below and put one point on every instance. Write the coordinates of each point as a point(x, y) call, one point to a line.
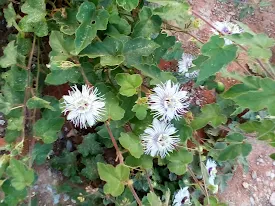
point(157, 75)
point(235, 137)
point(59, 76)
point(154, 199)
point(263, 97)
point(132, 143)
point(89, 146)
point(250, 83)
point(113, 110)
point(35, 20)
point(234, 150)
point(211, 114)
point(170, 10)
point(140, 110)
point(62, 46)
point(145, 161)
point(12, 135)
point(10, 55)
point(67, 20)
point(128, 83)
point(213, 201)
point(272, 156)
point(40, 152)
point(109, 51)
point(117, 26)
point(185, 131)
point(169, 49)
point(135, 49)
point(147, 25)
point(15, 123)
point(179, 160)
point(16, 78)
point(10, 15)
point(47, 129)
point(12, 197)
point(38, 103)
point(258, 44)
point(218, 56)
point(4, 161)
point(128, 5)
point(115, 178)
point(264, 129)
point(91, 21)
point(21, 175)
point(90, 170)
point(67, 162)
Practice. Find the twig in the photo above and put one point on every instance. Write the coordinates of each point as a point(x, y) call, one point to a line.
point(135, 194)
point(149, 181)
point(195, 179)
point(242, 47)
point(85, 77)
point(27, 93)
point(118, 153)
point(203, 177)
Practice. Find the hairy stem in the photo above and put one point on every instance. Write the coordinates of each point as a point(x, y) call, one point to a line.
point(149, 181)
point(25, 110)
point(118, 153)
point(135, 194)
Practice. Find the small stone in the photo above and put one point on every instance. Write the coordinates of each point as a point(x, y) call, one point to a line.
point(258, 180)
point(260, 160)
point(254, 175)
point(271, 184)
point(252, 201)
point(272, 199)
point(268, 173)
point(273, 163)
point(245, 185)
point(272, 175)
point(266, 182)
point(244, 176)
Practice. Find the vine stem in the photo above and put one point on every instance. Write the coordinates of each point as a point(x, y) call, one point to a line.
point(118, 153)
point(135, 194)
point(120, 157)
point(149, 181)
point(85, 77)
point(242, 47)
point(25, 110)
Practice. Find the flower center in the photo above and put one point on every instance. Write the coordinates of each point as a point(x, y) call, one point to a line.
point(183, 200)
point(170, 103)
point(160, 139)
point(212, 171)
point(226, 30)
point(83, 106)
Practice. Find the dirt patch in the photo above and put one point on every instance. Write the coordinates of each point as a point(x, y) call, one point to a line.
point(256, 186)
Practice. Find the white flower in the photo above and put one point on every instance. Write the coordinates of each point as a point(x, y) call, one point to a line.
point(182, 197)
point(226, 28)
point(168, 101)
point(212, 171)
point(211, 167)
point(185, 62)
point(159, 139)
point(84, 106)
point(211, 181)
